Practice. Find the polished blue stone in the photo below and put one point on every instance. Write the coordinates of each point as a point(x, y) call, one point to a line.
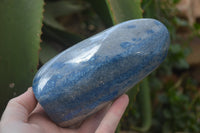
point(84, 78)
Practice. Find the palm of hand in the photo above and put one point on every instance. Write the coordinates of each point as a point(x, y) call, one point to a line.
point(22, 115)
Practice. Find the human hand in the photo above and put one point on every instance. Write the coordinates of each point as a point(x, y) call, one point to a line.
point(24, 115)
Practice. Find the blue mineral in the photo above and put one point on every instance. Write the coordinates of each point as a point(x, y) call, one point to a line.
point(84, 78)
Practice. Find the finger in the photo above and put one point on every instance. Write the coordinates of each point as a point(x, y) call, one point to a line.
point(113, 116)
point(90, 124)
point(38, 109)
point(20, 107)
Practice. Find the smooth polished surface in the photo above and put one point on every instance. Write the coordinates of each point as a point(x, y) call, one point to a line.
point(84, 78)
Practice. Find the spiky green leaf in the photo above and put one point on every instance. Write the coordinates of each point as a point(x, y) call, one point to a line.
point(20, 29)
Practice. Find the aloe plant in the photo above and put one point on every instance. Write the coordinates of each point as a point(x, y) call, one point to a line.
point(53, 29)
point(20, 29)
point(121, 10)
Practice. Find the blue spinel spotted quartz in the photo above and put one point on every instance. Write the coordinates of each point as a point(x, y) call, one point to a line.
point(84, 78)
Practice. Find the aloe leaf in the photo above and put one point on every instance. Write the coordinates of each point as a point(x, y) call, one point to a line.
point(145, 106)
point(101, 8)
point(64, 38)
point(116, 11)
point(20, 29)
point(56, 9)
point(122, 10)
point(53, 29)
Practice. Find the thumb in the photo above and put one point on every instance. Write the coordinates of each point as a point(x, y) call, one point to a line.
point(19, 108)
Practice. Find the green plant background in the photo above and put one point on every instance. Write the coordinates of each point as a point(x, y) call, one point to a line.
point(20, 29)
point(167, 101)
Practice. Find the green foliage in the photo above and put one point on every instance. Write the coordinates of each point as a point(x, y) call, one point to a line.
point(55, 30)
point(102, 10)
point(60, 8)
point(116, 11)
point(121, 10)
point(178, 108)
point(176, 60)
point(20, 25)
